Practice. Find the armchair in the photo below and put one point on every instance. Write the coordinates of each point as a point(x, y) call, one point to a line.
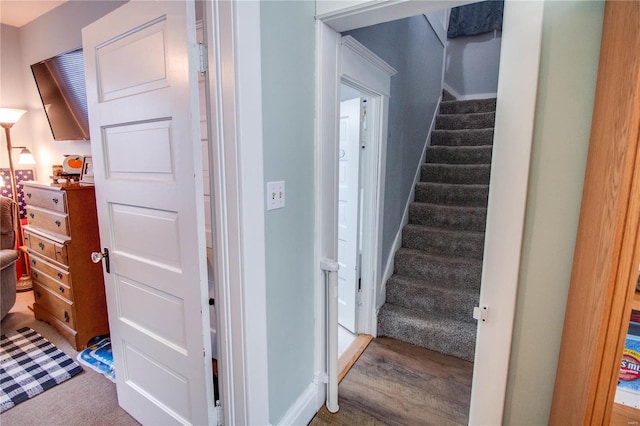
point(8, 255)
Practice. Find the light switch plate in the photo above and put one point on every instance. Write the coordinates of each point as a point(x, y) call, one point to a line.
point(275, 195)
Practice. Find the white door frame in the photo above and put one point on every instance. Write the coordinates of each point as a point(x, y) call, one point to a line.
point(362, 70)
point(235, 133)
point(515, 114)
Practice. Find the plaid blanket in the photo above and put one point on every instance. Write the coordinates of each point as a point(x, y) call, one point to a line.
point(29, 365)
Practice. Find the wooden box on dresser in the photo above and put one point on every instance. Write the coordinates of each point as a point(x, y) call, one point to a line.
point(61, 235)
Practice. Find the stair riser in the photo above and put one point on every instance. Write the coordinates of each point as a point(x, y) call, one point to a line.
point(452, 195)
point(458, 307)
point(467, 276)
point(464, 174)
point(465, 107)
point(465, 121)
point(459, 155)
point(468, 219)
point(442, 244)
point(461, 345)
point(474, 137)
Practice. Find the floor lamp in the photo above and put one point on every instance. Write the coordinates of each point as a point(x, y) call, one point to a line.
point(8, 117)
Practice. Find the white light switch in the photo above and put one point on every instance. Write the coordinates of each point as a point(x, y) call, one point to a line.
point(275, 195)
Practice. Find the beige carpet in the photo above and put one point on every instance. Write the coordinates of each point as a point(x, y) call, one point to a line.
point(87, 399)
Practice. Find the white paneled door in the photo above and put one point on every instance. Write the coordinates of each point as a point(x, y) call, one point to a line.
point(142, 89)
point(348, 212)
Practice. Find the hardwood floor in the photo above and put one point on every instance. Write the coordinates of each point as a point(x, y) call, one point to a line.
point(397, 383)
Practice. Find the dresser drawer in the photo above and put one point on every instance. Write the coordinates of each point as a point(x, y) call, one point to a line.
point(47, 248)
point(57, 306)
point(45, 198)
point(42, 265)
point(48, 220)
point(58, 287)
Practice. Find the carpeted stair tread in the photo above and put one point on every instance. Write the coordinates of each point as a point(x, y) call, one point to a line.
point(455, 173)
point(478, 120)
point(455, 338)
point(455, 271)
point(468, 195)
point(432, 297)
point(450, 217)
point(463, 137)
point(468, 106)
point(438, 269)
point(459, 154)
point(443, 242)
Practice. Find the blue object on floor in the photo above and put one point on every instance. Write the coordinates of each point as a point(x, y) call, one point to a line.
point(98, 357)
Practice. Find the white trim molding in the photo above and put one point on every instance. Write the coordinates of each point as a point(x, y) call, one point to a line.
point(235, 135)
point(368, 56)
point(304, 409)
point(472, 96)
point(513, 136)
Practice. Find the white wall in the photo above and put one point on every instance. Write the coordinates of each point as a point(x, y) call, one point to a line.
point(11, 91)
point(471, 65)
point(55, 32)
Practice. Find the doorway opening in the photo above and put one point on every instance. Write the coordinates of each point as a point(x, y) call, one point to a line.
point(510, 165)
point(354, 191)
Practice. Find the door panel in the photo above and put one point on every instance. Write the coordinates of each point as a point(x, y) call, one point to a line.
point(348, 212)
point(142, 90)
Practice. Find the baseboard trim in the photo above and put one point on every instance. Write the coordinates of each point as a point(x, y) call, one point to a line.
point(477, 96)
point(397, 242)
point(470, 97)
point(304, 409)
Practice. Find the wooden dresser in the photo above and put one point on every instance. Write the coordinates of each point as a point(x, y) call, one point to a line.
point(61, 234)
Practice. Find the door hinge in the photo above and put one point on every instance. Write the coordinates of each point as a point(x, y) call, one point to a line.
point(359, 297)
point(202, 49)
point(480, 313)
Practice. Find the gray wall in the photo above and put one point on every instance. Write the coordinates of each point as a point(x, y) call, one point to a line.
point(471, 66)
point(568, 69)
point(410, 46)
point(288, 102)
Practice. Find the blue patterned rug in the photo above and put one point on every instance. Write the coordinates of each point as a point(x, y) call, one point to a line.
point(98, 357)
point(29, 365)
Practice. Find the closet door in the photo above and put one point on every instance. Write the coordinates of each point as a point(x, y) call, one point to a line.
point(606, 257)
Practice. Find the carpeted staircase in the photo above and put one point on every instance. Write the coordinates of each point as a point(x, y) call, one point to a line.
point(436, 281)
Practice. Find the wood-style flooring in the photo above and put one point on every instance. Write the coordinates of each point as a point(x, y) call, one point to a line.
point(397, 383)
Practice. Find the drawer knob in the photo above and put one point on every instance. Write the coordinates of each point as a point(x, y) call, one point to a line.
point(35, 274)
point(66, 316)
point(58, 223)
point(55, 200)
point(41, 245)
point(33, 262)
point(59, 275)
point(31, 215)
point(28, 195)
point(38, 294)
point(61, 289)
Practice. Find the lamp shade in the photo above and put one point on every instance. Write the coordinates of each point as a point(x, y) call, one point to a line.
point(26, 157)
point(10, 115)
